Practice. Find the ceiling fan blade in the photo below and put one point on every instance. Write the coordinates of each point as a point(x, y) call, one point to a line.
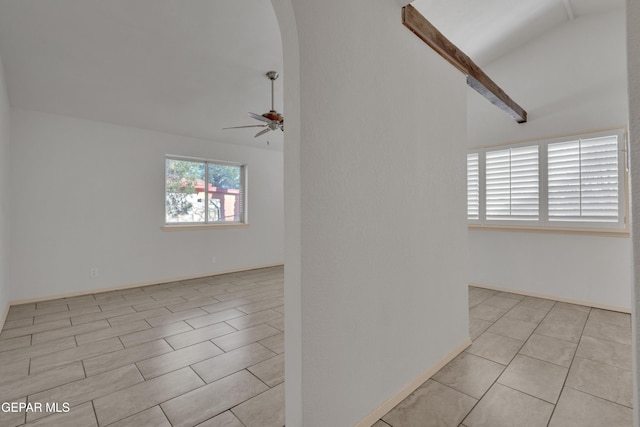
point(249, 126)
point(259, 117)
point(262, 132)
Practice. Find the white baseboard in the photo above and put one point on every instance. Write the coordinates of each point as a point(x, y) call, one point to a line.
point(4, 316)
point(555, 298)
point(134, 285)
point(391, 403)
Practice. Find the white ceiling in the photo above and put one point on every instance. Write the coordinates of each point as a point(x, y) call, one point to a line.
point(488, 29)
point(193, 67)
point(183, 67)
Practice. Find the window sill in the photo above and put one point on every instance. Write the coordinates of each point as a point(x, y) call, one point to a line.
point(193, 227)
point(558, 230)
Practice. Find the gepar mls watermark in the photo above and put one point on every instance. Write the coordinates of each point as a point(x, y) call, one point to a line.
point(48, 407)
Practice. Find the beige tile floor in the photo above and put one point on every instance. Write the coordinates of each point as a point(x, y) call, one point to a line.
point(533, 362)
point(210, 352)
point(206, 352)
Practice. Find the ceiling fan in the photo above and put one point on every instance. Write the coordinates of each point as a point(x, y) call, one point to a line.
point(272, 119)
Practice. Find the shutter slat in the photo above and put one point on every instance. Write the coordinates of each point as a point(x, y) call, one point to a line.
point(511, 189)
point(583, 179)
point(473, 186)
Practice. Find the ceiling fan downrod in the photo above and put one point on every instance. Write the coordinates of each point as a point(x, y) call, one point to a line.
point(272, 120)
point(273, 75)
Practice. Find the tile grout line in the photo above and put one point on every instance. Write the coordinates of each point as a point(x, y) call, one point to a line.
point(95, 414)
point(260, 379)
point(574, 357)
point(198, 375)
point(84, 369)
point(507, 365)
point(168, 343)
point(531, 395)
point(597, 397)
point(569, 369)
point(165, 414)
point(230, 295)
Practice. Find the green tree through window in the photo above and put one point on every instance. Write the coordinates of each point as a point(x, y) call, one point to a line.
point(199, 191)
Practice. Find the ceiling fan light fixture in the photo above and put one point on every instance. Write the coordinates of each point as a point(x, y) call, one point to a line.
point(272, 119)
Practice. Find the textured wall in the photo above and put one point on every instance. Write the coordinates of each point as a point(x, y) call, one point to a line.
point(88, 194)
point(633, 63)
point(382, 121)
point(4, 194)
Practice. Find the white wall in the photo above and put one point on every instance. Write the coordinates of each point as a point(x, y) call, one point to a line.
point(88, 194)
point(571, 80)
point(4, 194)
point(633, 47)
point(382, 231)
point(292, 212)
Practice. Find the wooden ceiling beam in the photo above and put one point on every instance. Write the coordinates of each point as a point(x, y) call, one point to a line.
point(476, 78)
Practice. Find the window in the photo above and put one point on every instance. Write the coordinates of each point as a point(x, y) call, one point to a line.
point(512, 183)
point(583, 180)
point(570, 182)
point(204, 192)
point(473, 186)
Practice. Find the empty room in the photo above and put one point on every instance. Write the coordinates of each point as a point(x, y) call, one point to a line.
point(447, 216)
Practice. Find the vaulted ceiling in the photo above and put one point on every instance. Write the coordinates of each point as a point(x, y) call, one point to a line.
point(487, 29)
point(183, 67)
point(193, 67)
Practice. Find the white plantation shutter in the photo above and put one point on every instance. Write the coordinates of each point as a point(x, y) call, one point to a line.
point(473, 186)
point(498, 184)
point(600, 179)
point(524, 182)
point(563, 171)
point(575, 182)
point(512, 184)
point(583, 180)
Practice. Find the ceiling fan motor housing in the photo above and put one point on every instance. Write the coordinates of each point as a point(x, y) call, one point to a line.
point(272, 119)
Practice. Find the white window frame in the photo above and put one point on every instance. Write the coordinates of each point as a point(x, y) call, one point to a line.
point(473, 187)
point(543, 221)
point(206, 223)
